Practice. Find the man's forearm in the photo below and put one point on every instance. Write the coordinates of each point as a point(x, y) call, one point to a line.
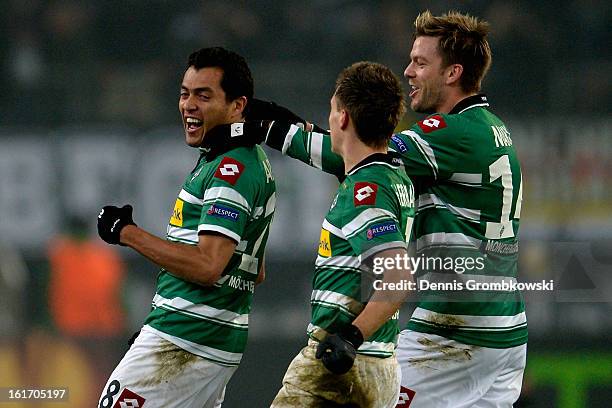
point(385, 302)
point(374, 315)
point(188, 262)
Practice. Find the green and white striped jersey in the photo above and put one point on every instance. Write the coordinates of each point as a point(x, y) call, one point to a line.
point(372, 212)
point(232, 194)
point(468, 183)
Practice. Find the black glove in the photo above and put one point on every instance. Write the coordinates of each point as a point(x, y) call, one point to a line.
point(111, 220)
point(265, 110)
point(337, 351)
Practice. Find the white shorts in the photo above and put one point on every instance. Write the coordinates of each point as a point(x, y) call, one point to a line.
point(438, 372)
point(162, 374)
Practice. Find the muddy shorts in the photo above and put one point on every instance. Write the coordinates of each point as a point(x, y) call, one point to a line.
point(157, 373)
point(371, 383)
point(438, 372)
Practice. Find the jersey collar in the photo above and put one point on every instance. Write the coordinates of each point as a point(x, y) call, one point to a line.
point(223, 138)
point(469, 103)
point(374, 158)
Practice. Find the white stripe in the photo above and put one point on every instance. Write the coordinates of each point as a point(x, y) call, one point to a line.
point(383, 247)
point(270, 205)
point(353, 171)
point(367, 216)
point(182, 234)
point(341, 261)
point(447, 239)
point(427, 200)
point(241, 247)
point(472, 322)
point(376, 346)
point(425, 149)
point(289, 137)
point(249, 264)
point(316, 147)
point(227, 194)
point(468, 178)
point(333, 229)
point(198, 349)
point(203, 311)
point(258, 212)
point(190, 198)
point(344, 302)
point(473, 106)
point(219, 229)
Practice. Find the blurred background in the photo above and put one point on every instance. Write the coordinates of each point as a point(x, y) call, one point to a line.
point(88, 117)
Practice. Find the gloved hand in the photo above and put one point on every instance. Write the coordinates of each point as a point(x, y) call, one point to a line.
point(337, 351)
point(258, 109)
point(111, 220)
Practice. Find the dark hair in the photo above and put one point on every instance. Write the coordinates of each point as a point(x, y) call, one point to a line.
point(237, 80)
point(373, 98)
point(463, 40)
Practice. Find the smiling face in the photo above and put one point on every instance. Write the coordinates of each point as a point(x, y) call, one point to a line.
point(426, 76)
point(203, 104)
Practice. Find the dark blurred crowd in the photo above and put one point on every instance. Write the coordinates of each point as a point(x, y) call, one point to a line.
point(119, 62)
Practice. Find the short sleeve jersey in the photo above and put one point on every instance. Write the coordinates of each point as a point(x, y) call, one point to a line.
point(372, 212)
point(233, 195)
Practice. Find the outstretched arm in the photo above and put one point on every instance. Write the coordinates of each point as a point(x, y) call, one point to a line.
point(295, 137)
point(310, 147)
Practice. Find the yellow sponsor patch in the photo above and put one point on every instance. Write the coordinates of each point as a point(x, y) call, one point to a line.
point(177, 214)
point(325, 244)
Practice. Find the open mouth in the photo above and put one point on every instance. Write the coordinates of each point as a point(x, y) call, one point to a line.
point(193, 124)
point(413, 91)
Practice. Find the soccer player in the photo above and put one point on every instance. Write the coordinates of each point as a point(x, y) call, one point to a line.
point(352, 334)
point(192, 341)
point(459, 349)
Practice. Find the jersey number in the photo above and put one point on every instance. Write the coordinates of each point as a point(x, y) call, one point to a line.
point(503, 228)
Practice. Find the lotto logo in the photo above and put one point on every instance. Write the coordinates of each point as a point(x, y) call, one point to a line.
point(405, 398)
point(365, 193)
point(129, 399)
point(432, 123)
point(229, 170)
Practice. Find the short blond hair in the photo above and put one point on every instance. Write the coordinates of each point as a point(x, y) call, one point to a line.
point(463, 40)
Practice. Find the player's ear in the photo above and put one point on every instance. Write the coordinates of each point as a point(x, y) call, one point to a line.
point(239, 104)
point(453, 73)
point(344, 119)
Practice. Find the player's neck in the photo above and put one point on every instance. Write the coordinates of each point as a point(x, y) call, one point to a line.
point(453, 99)
point(355, 151)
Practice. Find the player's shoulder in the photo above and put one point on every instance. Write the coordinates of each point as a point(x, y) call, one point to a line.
point(372, 184)
point(438, 124)
point(239, 166)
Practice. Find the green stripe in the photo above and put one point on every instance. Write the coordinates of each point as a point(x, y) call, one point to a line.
point(204, 318)
point(496, 339)
point(475, 308)
point(207, 333)
point(225, 297)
